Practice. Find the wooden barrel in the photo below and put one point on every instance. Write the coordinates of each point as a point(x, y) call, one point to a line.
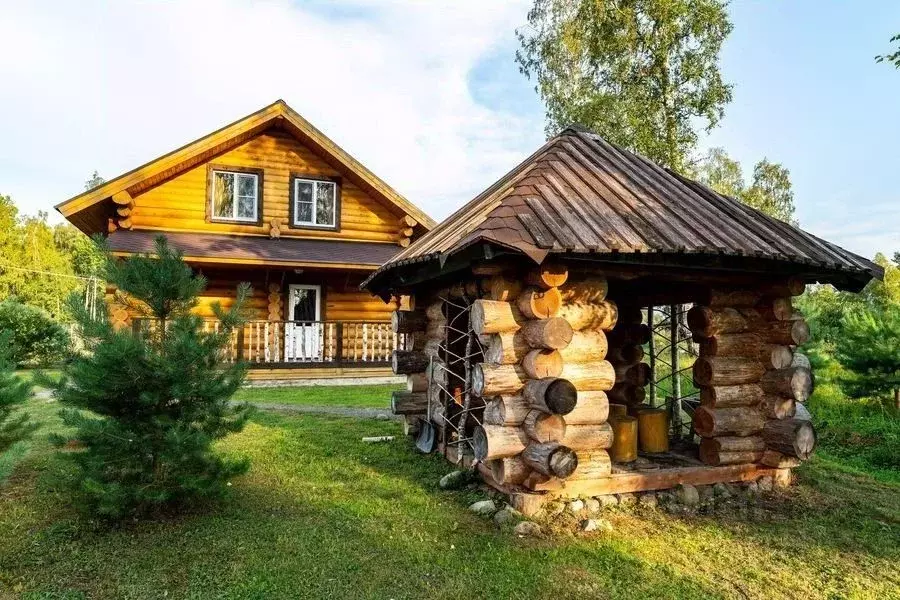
point(653, 430)
point(617, 410)
point(625, 439)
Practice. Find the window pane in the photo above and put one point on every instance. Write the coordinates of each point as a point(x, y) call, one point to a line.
point(325, 203)
point(246, 207)
point(246, 185)
point(303, 202)
point(223, 195)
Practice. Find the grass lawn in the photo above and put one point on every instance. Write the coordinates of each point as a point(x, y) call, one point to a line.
point(360, 396)
point(323, 515)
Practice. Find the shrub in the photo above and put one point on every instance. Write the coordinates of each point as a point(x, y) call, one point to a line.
point(147, 408)
point(35, 339)
point(14, 425)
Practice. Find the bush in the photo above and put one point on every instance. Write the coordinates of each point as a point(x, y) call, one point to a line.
point(35, 338)
point(147, 408)
point(14, 424)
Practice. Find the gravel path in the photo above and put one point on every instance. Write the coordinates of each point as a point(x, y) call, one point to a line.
point(343, 411)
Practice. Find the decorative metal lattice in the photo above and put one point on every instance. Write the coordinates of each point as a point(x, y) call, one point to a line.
point(672, 353)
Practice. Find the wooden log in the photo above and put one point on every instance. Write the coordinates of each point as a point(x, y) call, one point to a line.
point(595, 315)
point(787, 333)
point(791, 437)
point(788, 287)
point(503, 289)
point(492, 316)
point(590, 376)
point(543, 427)
point(548, 275)
point(589, 290)
point(720, 371)
point(715, 422)
point(708, 322)
point(628, 354)
point(637, 375)
point(653, 430)
point(716, 298)
point(630, 315)
point(408, 321)
point(408, 220)
point(588, 437)
point(552, 395)
point(595, 464)
point(626, 393)
point(495, 380)
point(736, 443)
point(541, 363)
point(409, 403)
point(777, 407)
point(412, 424)
point(585, 346)
point(617, 411)
point(436, 311)
point(772, 458)
point(510, 471)
point(800, 360)
point(536, 303)
point(636, 334)
point(732, 345)
point(490, 442)
point(551, 459)
point(625, 439)
point(506, 410)
point(712, 452)
point(416, 382)
point(592, 408)
point(731, 396)
point(407, 362)
point(506, 348)
point(553, 333)
point(793, 382)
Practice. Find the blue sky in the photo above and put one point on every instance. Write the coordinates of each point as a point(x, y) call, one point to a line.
point(428, 94)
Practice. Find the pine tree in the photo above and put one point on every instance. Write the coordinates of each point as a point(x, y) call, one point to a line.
point(869, 349)
point(14, 424)
point(147, 404)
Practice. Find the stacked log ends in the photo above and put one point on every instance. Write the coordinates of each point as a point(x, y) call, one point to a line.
point(551, 459)
point(409, 403)
point(625, 354)
point(790, 437)
point(731, 450)
point(552, 395)
point(407, 362)
point(511, 471)
point(496, 441)
point(413, 403)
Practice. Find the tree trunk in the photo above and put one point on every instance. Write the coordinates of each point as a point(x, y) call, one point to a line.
point(731, 396)
point(588, 437)
point(495, 380)
point(552, 395)
point(550, 459)
point(539, 363)
point(407, 362)
point(586, 346)
point(553, 333)
point(590, 376)
point(535, 303)
point(716, 371)
point(715, 422)
point(493, 441)
point(791, 437)
point(592, 408)
point(542, 427)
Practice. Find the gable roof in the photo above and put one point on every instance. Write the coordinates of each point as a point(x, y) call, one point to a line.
point(579, 194)
point(79, 209)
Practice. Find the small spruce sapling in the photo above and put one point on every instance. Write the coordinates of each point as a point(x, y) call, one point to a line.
point(14, 424)
point(147, 404)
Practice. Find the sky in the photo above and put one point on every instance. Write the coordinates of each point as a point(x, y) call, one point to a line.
point(427, 94)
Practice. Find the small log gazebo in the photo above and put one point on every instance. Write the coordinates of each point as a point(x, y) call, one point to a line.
point(530, 349)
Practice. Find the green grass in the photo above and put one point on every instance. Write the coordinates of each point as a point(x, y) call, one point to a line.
point(359, 396)
point(323, 515)
point(28, 374)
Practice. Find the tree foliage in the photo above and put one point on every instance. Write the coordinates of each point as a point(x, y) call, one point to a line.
point(642, 73)
point(14, 424)
point(770, 189)
point(33, 337)
point(894, 57)
point(870, 351)
point(147, 408)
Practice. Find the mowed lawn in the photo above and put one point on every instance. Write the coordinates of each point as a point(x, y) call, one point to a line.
point(323, 515)
point(357, 396)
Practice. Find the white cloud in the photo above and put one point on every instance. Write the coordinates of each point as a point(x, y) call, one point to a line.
point(108, 86)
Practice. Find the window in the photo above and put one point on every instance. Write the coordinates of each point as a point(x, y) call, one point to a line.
point(235, 196)
point(315, 202)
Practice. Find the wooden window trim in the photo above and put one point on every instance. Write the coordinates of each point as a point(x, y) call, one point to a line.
point(210, 186)
point(292, 201)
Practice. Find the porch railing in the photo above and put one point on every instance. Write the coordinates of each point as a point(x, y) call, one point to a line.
point(307, 343)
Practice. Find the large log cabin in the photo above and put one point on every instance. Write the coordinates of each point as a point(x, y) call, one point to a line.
point(269, 200)
point(532, 319)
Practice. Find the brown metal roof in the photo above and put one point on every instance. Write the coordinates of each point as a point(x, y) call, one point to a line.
point(581, 194)
point(280, 251)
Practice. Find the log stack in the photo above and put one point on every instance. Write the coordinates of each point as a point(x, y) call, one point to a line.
point(421, 363)
point(544, 377)
point(626, 354)
point(750, 376)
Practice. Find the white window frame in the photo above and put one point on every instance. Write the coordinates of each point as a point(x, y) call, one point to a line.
point(315, 203)
point(234, 207)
